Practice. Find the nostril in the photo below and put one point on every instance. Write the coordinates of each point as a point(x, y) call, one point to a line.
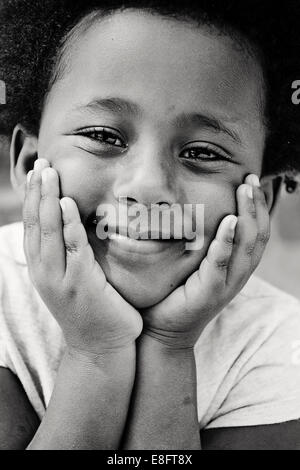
point(163, 204)
point(127, 200)
point(130, 201)
point(147, 200)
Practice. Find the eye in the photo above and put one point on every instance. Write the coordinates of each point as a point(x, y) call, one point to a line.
point(105, 135)
point(204, 152)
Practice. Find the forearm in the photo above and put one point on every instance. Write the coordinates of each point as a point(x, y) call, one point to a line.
point(163, 413)
point(89, 405)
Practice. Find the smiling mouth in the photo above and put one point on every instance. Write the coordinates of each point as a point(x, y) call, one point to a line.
point(145, 242)
point(142, 235)
point(131, 245)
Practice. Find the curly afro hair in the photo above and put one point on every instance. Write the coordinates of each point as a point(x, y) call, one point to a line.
point(33, 33)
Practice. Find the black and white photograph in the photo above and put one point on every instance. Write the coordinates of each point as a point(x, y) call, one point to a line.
point(149, 227)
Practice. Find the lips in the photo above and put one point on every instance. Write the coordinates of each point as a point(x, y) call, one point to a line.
point(141, 242)
point(118, 242)
point(139, 222)
point(125, 244)
point(143, 234)
point(105, 230)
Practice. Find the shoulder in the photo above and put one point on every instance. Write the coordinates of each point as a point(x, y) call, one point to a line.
point(17, 294)
point(266, 312)
point(257, 288)
point(13, 266)
point(260, 308)
point(259, 314)
point(11, 244)
point(249, 359)
point(31, 341)
point(22, 310)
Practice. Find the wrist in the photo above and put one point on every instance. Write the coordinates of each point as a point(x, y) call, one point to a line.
point(105, 359)
point(166, 347)
point(165, 340)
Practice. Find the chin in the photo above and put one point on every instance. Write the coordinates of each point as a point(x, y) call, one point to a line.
point(144, 280)
point(140, 293)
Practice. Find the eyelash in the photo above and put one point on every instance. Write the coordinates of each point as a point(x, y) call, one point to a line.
point(94, 133)
point(205, 149)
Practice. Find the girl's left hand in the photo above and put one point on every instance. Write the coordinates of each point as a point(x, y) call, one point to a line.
point(232, 257)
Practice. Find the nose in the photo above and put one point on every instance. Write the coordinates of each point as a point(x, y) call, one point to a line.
point(148, 178)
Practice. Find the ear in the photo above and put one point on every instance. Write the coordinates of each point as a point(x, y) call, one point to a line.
point(271, 186)
point(23, 153)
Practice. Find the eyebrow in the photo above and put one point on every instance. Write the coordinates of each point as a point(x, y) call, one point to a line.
point(128, 108)
point(114, 105)
point(206, 121)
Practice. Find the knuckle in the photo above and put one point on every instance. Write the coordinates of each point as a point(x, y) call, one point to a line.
point(30, 220)
point(252, 211)
point(72, 229)
point(228, 241)
point(69, 225)
point(44, 198)
point(222, 264)
point(47, 232)
point(33, 184)
point(263, 237)
point(249, 248)
point(71, 247)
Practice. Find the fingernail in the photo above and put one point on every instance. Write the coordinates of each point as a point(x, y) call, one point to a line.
point(29, 175)
point(249, 191)
point(37, 165)
point(255, 181)
point(45, 175)
point(233, 223)
point(40, 164)
point(63, 205)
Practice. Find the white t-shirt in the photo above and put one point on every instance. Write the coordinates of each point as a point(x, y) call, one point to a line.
point(248, 357)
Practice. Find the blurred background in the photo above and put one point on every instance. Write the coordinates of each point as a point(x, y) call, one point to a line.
point(10, 209)
point(281, 261)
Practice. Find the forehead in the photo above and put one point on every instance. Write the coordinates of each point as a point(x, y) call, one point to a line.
point(164, 64)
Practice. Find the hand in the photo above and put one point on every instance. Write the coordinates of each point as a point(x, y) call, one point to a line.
point(93, 316)
point(232, 257)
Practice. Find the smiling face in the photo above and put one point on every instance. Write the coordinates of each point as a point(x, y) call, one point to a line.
point(154, 110)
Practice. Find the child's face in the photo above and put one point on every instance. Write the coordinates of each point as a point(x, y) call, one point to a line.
point(162, 88)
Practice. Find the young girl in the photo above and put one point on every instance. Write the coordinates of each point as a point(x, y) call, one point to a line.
point(134, 344)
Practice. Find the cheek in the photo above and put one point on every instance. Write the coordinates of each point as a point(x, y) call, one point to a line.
point(82, 178)
point(219, 200)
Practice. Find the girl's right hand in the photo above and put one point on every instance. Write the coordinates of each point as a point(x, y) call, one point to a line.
point(93, 316)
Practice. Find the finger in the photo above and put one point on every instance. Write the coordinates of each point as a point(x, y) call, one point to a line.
point(31, 212)
point(79, 253)
point(52, 242)
point(245, 237)
point(262, 220)
point(263, 226)
point(214, 268)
